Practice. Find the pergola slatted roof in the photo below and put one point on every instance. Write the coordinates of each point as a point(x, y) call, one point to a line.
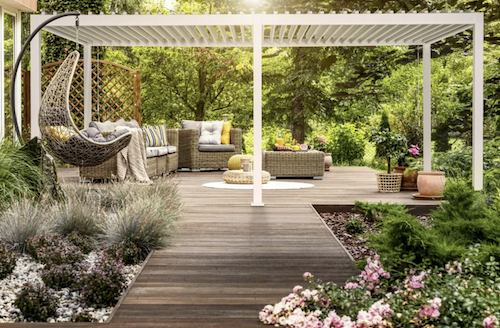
point(279, 30)
point(276, 30)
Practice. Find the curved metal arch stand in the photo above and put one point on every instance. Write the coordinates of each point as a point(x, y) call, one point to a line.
point(18, 63)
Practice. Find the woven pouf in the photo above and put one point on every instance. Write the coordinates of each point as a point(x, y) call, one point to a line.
point(234, 161)
point(240, 177)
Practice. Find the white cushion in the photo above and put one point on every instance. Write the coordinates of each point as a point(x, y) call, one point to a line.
point(172, 149)
point(211, 133)
point(156, 151)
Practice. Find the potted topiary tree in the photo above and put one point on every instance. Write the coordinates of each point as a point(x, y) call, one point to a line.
point(391, 145)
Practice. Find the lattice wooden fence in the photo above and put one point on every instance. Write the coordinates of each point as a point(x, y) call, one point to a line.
point(25, 102)
point(116, 91)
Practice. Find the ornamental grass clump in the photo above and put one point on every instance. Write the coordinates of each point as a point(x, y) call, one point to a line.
point(37, 303)
point(77, 216)
point(146, 220)
point(102, 284)
point(8, 260)
point(452, 296)
point(23, 220)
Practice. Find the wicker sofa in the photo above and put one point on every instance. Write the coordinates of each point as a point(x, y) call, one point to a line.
point(157, 164)
point(195, 156)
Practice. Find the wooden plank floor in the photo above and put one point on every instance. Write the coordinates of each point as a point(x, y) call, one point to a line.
point(228, 259)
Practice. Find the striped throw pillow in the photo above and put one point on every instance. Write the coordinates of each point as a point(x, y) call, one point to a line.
point(156, 136)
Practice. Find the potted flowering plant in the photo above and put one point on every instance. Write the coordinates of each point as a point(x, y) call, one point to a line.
point(320, 144)
point(391, 145)
point(410, 173)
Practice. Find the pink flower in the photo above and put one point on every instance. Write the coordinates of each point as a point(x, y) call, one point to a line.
point(429, 312)
point(351, 285)
point(490, 321)
point(307, 275)
point(297, 288)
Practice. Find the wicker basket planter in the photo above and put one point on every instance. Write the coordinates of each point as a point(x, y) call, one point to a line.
point(389, 182)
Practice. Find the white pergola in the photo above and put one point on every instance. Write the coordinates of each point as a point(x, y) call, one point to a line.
point(275, 30)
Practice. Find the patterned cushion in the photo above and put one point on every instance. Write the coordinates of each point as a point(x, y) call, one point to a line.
point(156, 136)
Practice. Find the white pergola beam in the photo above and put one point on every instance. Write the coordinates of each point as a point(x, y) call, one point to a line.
point(36, 76)
point(451, 33)
point(426, 56)
point(62, 32)
point(477, 104)
point(257, 111)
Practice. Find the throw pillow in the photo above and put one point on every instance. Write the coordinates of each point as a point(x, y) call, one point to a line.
point(156, 136)
point(211, 133)
point(60, 132)
point(226, 131)
point(191, 125)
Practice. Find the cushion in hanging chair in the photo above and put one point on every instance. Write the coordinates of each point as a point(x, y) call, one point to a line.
point(94, 135)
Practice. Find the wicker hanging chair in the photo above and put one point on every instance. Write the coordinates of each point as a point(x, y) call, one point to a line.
point(58, 130)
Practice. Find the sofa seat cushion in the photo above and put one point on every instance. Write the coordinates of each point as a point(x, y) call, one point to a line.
point(111, 126)
point(172, 149)
point(156, 151)
point(216, 148)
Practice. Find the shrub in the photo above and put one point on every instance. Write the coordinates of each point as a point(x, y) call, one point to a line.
point(23, 220)
point(78, 216)
point(77, 240)
point(390, 145)
point(376, 211)
point(128, 252)
point(60, 276)
point(8, 261)
point(347, 144)
point(19, 176)
point(355, 227)
point(147, 219)
point(54, 250)
point(103, 283)
point(36, 302)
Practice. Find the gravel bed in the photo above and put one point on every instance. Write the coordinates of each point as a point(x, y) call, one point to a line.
point(28, 270)
point(357, 245)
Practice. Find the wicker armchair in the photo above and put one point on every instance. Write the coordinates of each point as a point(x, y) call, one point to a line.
point(190, 157)
point(156, 166)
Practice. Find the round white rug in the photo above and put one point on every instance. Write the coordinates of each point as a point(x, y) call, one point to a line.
point(271, 185)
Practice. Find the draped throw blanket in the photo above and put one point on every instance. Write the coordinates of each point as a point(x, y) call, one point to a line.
point(132, 160)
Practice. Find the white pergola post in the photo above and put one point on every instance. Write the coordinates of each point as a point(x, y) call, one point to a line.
point(257, 110)
point(36, 77)
point(87, 84)
point(427, 107)
point(477, 105)
point(17, 50)
point(2, 69)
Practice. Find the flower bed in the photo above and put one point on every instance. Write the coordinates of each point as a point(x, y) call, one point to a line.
point(452, 296)
point(69, 303)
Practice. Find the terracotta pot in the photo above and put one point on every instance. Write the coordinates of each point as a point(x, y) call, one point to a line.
point(328, 161)
point(430, 183)
point(409, 181)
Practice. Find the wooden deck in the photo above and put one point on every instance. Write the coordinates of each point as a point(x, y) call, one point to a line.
point(228, 259)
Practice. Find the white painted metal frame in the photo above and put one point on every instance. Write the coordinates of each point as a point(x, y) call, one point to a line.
point(277, 30)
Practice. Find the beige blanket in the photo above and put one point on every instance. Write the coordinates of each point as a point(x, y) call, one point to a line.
point(131, 161)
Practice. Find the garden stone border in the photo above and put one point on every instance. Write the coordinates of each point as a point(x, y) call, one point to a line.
point(124, 295)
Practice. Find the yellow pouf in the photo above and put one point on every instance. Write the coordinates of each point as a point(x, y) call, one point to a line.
point(234, 161)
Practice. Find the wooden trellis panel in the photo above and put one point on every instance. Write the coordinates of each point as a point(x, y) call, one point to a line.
point(116, 91)
point(25, 102)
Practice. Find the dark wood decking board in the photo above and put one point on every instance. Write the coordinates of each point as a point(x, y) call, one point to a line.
point(226, 262)
point(227, 259)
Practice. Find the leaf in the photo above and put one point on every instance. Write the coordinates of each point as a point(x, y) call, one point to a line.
point(328, 62)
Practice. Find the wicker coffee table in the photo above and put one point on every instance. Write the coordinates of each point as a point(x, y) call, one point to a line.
point(240, 177)
point(289, 164)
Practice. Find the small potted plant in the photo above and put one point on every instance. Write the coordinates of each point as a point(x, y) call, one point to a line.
point(406, 165)
point(391, 145)
point(320, 144)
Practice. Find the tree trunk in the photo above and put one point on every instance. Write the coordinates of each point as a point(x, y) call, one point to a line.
point(388, 165)
point(298, 120)
point(200, 104)
point(298, 117)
